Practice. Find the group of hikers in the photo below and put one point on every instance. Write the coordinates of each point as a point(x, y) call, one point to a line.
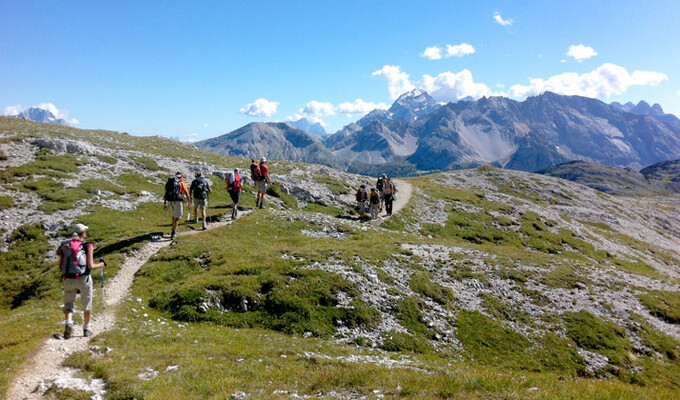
point(380, 195)
point(176, 191)
point(76, 257)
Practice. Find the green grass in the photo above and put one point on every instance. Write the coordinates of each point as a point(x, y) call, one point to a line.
point(6, 202)
point(275, 190)
point(421, 282)
point(662, 304)
point(598, 335)
point(333, 184)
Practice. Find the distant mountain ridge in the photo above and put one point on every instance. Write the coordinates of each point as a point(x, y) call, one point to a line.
point(41, 115)
point(418, 134)
point(306, 125)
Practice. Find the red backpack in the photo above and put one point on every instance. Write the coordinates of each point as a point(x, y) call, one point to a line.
point(255, 172)
point(235, 186)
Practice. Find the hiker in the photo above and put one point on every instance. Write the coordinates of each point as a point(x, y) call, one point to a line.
point(361, 196)
point(200, 189)
point(380, 186)
point(76, 260)
point(374, 201)
point(260, 174)
point(234, 187)
point(389, 190)
point(175, 191)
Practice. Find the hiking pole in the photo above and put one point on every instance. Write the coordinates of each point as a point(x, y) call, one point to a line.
point(101, 276)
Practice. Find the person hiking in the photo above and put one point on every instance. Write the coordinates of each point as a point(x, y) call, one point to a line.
point(389, 191)
point(260, 174)
point(234, 187)
point(175, 191)
point(380, 186)
point(200, 189)
point(374, 201)
point(361, 196)
point(76, 260)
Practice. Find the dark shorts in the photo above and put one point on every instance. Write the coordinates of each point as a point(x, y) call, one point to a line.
point(235, 197)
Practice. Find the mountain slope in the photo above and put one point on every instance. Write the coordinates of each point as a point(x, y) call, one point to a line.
point(278, 141)
point(536, 286)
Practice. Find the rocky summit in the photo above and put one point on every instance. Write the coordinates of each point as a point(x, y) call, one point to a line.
point(485, 283)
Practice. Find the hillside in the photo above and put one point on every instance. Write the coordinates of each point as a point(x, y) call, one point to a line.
point(489, 284)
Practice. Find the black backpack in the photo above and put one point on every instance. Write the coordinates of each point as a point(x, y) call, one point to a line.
point(172, 190)
point(380, 184)
point(199, 188)
point(73, 259)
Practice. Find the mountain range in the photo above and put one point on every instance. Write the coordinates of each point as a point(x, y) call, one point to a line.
point(41, 115)
point(417, 134)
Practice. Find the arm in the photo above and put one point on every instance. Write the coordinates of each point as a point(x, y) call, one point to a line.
point(90, 258)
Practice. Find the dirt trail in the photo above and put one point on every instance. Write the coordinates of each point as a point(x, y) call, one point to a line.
point(402, 196)
point(45, 368)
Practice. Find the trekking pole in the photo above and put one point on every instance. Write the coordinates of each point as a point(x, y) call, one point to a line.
point(101, 276)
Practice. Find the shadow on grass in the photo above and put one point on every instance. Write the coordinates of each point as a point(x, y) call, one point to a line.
point(118, 246)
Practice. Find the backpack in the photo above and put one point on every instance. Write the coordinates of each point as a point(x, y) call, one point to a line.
point(234, 183)
point(375, 198)
point(380, 184)
point(73, 259)
point(199, 188)
point(389, 189)
point(255, 172)
point(172, 190)
point(360, 196)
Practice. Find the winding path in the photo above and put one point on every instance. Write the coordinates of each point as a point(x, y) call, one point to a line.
point(46, 369)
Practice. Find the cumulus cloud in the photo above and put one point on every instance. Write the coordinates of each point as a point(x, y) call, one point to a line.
point(581, 52)
point(604, 82)
point(500, 21)
point(261, 108)
point(432, 53)
point(59, 114)
point(459, 50)
point(450, 86)
point(315, 110)
point(397, 80)
point(359, 107)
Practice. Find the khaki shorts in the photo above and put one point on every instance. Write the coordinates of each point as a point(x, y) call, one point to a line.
point(261, 186)
point(176, 208)
point(84, 284)
point(201, 203)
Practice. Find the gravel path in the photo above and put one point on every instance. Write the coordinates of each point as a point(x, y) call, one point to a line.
point(45, 368)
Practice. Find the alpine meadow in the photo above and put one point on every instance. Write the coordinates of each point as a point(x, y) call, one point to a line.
point(488, 283)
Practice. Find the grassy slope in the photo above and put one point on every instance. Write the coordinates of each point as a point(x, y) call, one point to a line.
point(221, 353)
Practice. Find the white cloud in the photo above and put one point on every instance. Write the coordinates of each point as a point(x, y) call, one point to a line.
point(359, 107)
point(459, 50)
point(437, 53)
point(432, 53)
point(191, 139)
point(206, 125)
point(318, 109)
point(59, 114)
point(450, 86)
point(581, 52)
point(604, 82)
point(500, 21)
point(261, 108)
point(397, 80)
point(315, 110)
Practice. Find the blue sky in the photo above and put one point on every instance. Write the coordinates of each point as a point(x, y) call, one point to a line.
point(195, 70)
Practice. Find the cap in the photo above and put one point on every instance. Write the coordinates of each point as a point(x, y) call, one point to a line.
point(178, 174)
point(236, 170)
point(79, 228)
point(199, 173)
point(263, 160)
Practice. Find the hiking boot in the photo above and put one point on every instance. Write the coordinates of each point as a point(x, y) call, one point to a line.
point(205, 225)
point(172, 235)
point(68, 331)
point(196, 220)
point(87, 332)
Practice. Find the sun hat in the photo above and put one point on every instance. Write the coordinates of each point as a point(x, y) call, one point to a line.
point(263, 160)
point(79, 228)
